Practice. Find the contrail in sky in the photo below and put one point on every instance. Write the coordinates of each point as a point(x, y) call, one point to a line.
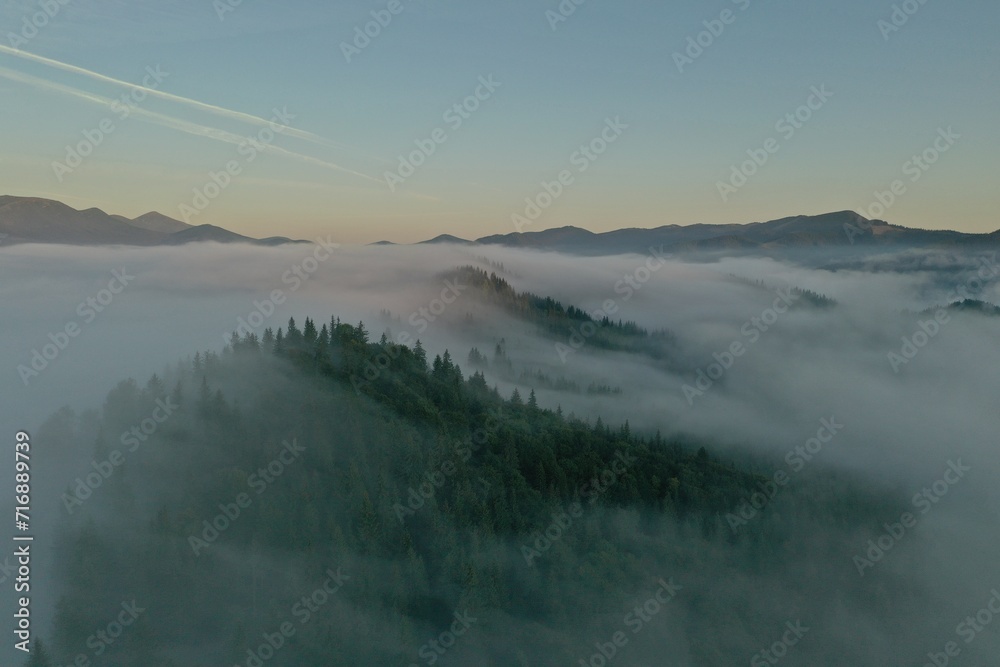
point(174, 123)
point(195, 104)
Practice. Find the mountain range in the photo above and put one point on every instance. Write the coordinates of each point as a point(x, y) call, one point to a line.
point(838, 229)
point(35, 220)
point(843, 228)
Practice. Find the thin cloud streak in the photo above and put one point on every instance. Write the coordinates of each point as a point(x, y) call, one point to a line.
point(188, 127)
point(202, 106)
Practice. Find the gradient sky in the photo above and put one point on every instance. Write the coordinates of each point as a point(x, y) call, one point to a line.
point(326, 173)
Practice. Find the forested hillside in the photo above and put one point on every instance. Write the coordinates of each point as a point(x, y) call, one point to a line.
point(374, 505)
point(601, 330)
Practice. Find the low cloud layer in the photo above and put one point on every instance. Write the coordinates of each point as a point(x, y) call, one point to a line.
point(906, 419)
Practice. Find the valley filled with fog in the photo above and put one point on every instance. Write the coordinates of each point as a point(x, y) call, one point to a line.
point(852, 386)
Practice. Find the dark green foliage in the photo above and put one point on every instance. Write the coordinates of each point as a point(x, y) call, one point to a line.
point(380, 427)
point(560, 322)
point(39, 656)
point(970, 305)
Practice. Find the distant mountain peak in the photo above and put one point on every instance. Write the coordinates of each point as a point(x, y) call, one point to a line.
point(157, 222)
point(447, 238)
point(37, 220)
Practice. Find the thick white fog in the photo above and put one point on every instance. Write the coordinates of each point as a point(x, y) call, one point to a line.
point(905, 418)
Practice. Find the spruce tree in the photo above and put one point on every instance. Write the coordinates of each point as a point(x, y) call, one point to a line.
point(39, 656)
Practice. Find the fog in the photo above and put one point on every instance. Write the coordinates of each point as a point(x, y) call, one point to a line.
point(905, 418)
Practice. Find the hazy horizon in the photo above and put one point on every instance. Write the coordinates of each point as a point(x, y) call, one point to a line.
point(872, 89)
point(745, 416)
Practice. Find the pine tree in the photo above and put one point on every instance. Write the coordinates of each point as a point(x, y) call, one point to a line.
point(293, 336)
point(499, 355)
point(309, 333)
point(478, 382)
point(476, 358)
point(204, 398)
point(250, 343)
point(155, 387)
point(39, 656)
point(177, 395)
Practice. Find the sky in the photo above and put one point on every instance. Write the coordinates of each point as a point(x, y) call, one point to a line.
point(672, 126)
